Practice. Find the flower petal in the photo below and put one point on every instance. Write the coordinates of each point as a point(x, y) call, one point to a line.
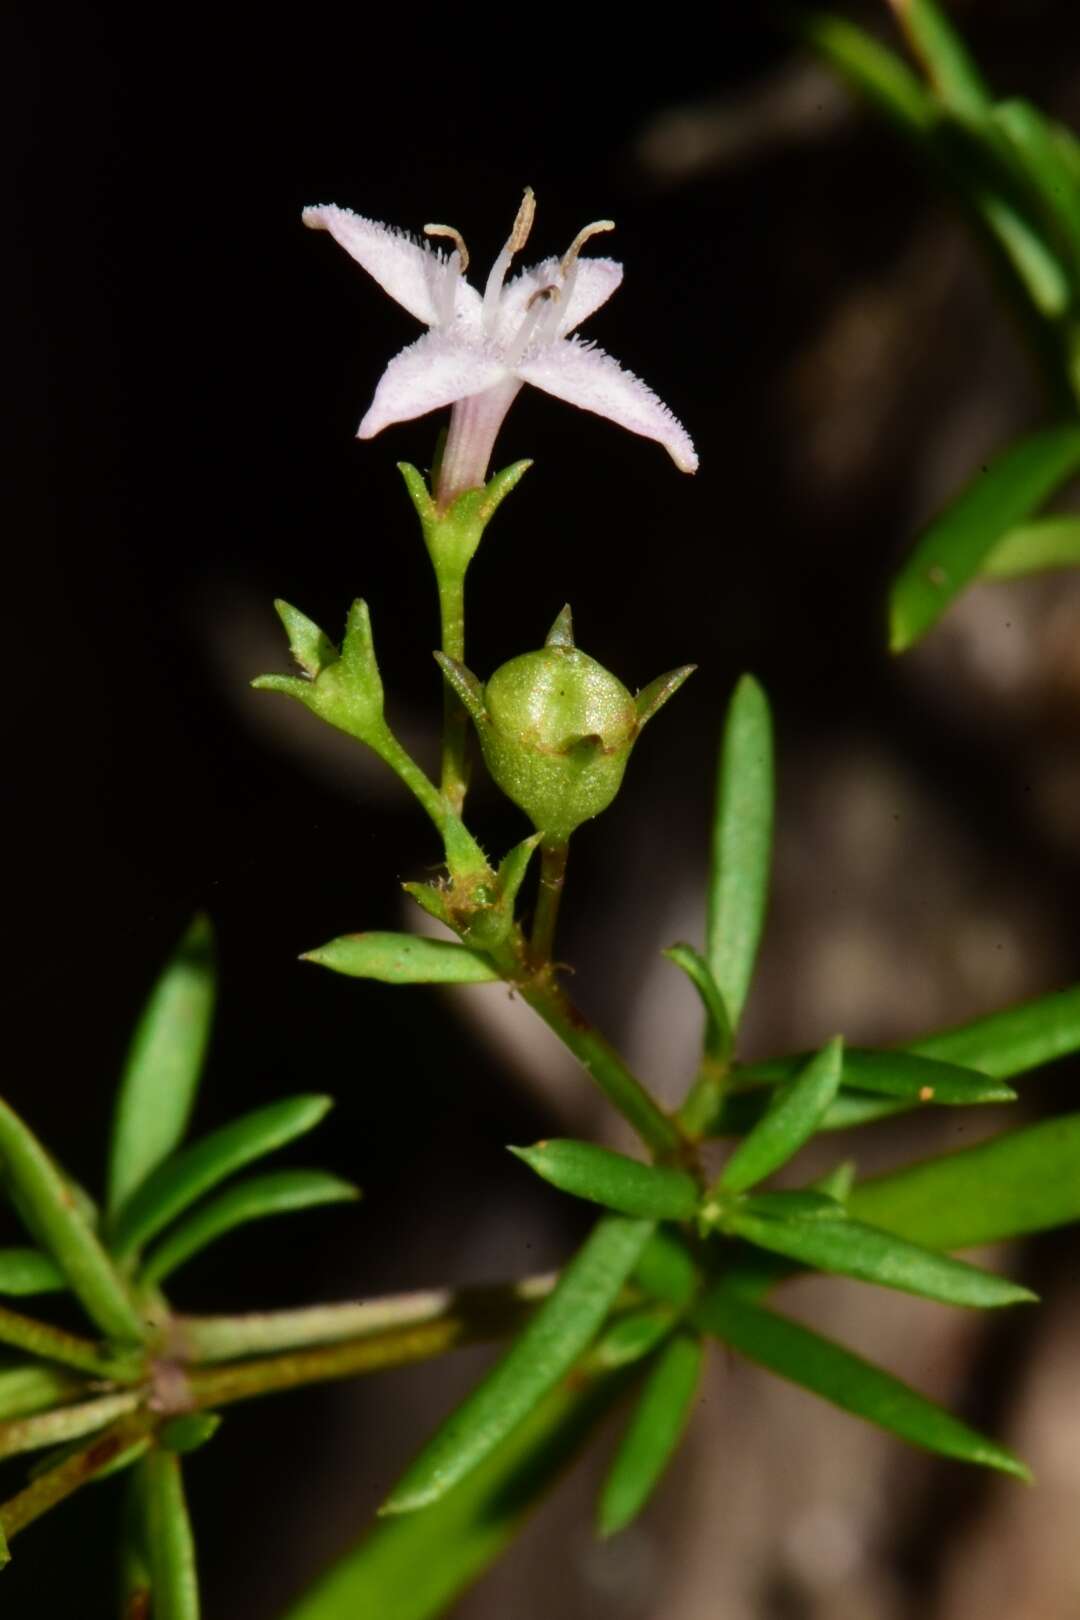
point(594, 281)
point(585, 376)
point(405, 269)
point(434, 371)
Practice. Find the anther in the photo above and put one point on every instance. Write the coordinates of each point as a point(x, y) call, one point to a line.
point(523, 223)
point(595, 229)
point(550, 291)
point(455, 237)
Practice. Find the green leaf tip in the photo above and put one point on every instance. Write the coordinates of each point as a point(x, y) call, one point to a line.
point(403, 959)
point(189, 1432)
point(651, 699)
point(311, 647)
point(464, 683)
point(561, 633)
point(650, 1192)
point(345, 689)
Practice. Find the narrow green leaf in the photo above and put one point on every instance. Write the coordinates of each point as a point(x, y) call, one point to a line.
point(1022, 1181)
point(897, 1074)
point(169, 1539)
point(740, 1111)
point(800, 1204)
point(403, 959)
point(794, 1116)
point(69, 1349)
point(279, 1193)
point(951, 551)
point(718, 1037)
point(5, 1554)
point(667, 1270)
point(49, 1208)
point(1045, 169)
point(612, 1179)
point(837, 1375)
point(837, 1182)
point(164, 1061)
point(64, 1423)
point(945, 58)
point(134, 1561)
point(653, 1433)
point(545, 1350)
point(177, 1183)
point(310, 646)
point(872, 69)
point(30, 1386)
point(28, 1271)
point(1011, 1042)
point(1044, 543)
point(741, 846)
point(848, 1248)
point(413, 1566)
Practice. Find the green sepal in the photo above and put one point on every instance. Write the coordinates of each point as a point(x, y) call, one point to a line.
point(653, 1433)
point(189, 1432)
point(430, 897)
point(561, 633)
point(651, 1192)
point(466, 687)
point(347, 692)
point(195, 1170)
point(452, 536)
point(483, 912)
point(311, 647)
point(837, 1182)
point(651, 699)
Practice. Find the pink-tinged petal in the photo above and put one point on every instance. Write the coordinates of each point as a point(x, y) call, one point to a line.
point(409, 272)
point(434, 371)
point(592, 283)
point(584, 375)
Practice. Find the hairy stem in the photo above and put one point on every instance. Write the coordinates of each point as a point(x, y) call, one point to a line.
point(552, 878)
point(54, 1344)
point(451, 583)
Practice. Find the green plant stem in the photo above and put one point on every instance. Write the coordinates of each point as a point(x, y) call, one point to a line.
point(552, 878)
point(52, 1487)
point(391, 753)
point(54, 1344)
point(600, 1059)
point(64, 1423)
point(451, 583)
point(702, 1102)
point(490, 1310)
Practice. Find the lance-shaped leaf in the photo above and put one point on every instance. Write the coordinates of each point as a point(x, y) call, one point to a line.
point(1011, 1042)
point(741, 846)
point(1023, 1181)
point(792, 1119)
point(653, 1433)
point(55, 1220)
point(413, 1566)
point(631, 1337)
point(739, 1111)
point(169, 1539)
point(944, 57)
point(651, 699)
point(897, 1074)
point(1032, 548)
point(837, 1375)
point(279, 1193)
point(718, 1036)
point(621, 1183)
point(28, 1271)
point(164, 1062)
point(827, 1241)
point(545, 1351)
point(951, 551)
point(1045, 169)
point(403, 959)
point(178, 1182)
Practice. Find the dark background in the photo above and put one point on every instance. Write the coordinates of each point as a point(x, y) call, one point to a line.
point(191, 366)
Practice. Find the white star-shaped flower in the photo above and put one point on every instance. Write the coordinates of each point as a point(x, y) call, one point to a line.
point(480, 349)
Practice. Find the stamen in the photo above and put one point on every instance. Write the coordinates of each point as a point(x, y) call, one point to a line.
point(569, 258)
point(550, 291)
point(455, 237)
point(517, 239)
point(523, 223)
